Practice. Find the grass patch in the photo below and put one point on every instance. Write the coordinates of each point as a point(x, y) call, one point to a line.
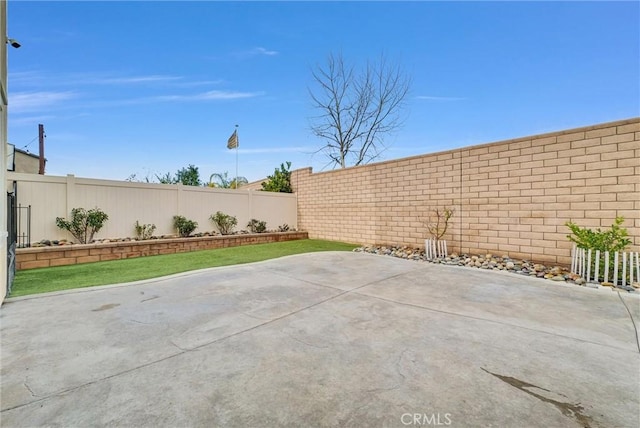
point(44, 280)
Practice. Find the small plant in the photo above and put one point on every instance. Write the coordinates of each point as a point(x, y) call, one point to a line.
point(84, 224)
point(183, 225)
point(612, 240)
point(283, 228)
point(224, 222)
point(144, 231)
point(257, 226)
point(438, 227)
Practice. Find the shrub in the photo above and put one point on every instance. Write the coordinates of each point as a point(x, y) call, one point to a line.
point(612, 240)
point(183, 225)
point(224, 222)
point(144, 231)
point(283, 228)
point(257, 226)
point(84, 224)
point(280, 181)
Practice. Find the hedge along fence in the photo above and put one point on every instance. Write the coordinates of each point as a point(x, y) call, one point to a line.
point(126, 203)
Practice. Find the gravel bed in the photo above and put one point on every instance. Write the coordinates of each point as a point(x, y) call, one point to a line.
point(498, 263)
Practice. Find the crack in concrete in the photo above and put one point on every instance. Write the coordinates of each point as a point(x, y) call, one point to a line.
point(140, 322)
point(308, 344)
point(150, 298)
point(635, 328)
point(567, 409)
point(397, 365)
point(398, 371)
point(26, 385)
point(255, 317)
point(183, 350)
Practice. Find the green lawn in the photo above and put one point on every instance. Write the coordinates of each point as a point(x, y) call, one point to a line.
point(43, 280)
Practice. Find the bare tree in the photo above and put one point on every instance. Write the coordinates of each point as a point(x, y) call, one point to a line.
point(357, 108)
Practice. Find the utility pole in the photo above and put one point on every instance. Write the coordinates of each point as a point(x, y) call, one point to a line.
point(41, 148)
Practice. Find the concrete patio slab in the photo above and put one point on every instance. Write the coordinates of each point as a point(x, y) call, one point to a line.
point(324, 339)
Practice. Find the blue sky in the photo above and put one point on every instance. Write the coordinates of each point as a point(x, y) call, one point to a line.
point(151, 87)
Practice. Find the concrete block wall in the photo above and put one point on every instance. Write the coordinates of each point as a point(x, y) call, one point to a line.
point(510, 197)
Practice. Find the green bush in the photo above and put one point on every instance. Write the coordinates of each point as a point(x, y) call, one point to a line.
point(183, 225)
point(224, 222)
point(283, 228)
point(280, 181)
point(144, 231)
point(257, 226)
point(84, 224)
point(612, 240)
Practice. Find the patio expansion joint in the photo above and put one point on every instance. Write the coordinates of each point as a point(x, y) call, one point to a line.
point(633, 322)
point(456, 314)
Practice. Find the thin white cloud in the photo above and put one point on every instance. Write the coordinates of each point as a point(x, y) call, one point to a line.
point(209, 96)
point(258, 51)
point(153, 78)
point(263, 51)
point(26, 77)
point(29, 120)
point(200, 83)
point(34, 77)
point(432, 98)
point(22, 102)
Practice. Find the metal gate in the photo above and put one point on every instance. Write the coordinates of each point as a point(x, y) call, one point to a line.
point(12, 238)
point(23, 220)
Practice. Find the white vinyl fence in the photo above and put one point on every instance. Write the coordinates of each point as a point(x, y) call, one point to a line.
point(619, 268)
point(125, 203)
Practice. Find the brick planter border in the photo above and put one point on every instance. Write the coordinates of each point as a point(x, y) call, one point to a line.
point(32, 258)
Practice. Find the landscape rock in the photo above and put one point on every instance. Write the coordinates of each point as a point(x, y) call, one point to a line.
point(492, 262)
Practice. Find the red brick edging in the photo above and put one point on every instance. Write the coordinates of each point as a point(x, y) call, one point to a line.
point(31, 258)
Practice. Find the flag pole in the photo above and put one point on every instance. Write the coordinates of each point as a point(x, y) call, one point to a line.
point(237, 144)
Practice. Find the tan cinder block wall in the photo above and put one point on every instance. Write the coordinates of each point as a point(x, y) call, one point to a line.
point(511, 197)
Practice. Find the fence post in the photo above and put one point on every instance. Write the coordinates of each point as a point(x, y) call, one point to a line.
point(179, 210)
point(71, 193)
